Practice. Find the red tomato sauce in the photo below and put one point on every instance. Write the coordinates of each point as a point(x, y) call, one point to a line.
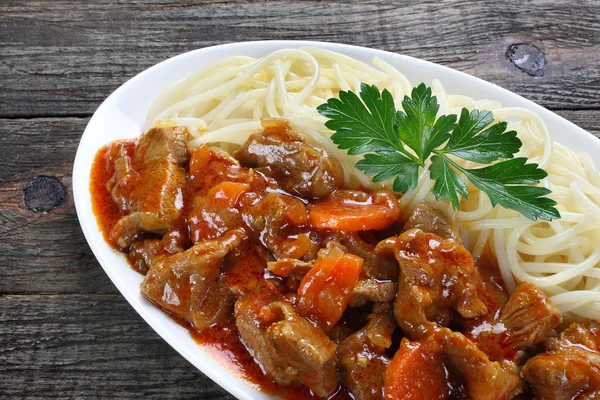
point(104, 208)
point(221, 342)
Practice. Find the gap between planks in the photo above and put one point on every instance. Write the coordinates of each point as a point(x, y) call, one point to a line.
point(89, 115)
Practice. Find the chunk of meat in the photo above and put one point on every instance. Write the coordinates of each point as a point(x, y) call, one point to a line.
point(154, 202)
point(143, 253)
point(353, 210)
point(570, 368)
point(252, 329)
point(244, 269)
point(288, 348)
point(425, 368)
point(186, 284)
point(300, 168)
point(563, 376)
point(150, 190)
point(209, 167)
point(488, 332)
point(380, 328)
point(437, 276)
point(369, 289)
point(306, 352)
point(381, 263)
point(529, 316)
point(176, 239)
point(325, 290)
point(484, 379)
point(587, 335)
point(290, 267)
point(495, 294)
point(128, 227)
point(354, 243)
point(215, 213)
point(216, 307)
point(279, 221)
point(118, 159)
point(526, 319)
point(429, 219)
point(116, 150)
point(162, 144)
point(363, 362)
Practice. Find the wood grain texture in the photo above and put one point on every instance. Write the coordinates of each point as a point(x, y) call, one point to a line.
point(42, 252)
point(65, 332)
point(89, 347)
point(586, 119)
point(65, 57)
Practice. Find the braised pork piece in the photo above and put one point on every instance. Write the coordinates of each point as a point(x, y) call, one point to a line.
point(315, 290)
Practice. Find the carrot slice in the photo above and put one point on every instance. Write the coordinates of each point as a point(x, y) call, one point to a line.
point(296, 212)
point(298, 247)
point(199, 160)
point(227, 193)
point(416, 372)
point(325, 290)
point(379, 211)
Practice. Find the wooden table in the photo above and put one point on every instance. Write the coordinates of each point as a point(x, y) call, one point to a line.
point(65, 331)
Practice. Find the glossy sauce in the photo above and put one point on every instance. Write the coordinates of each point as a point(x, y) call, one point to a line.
point(488, 332)
point(104, 208)
point(221, 342)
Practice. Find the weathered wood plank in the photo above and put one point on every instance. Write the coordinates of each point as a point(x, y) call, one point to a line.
point(42, 251)
point(89, 347)
point(586, 119)
point(64, 57)
point(33, 254)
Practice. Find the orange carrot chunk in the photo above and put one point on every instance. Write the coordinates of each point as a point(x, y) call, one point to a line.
point(199, 160)
point(227, 193)
point(342, 212)
point(325, 290)
point(416, 372)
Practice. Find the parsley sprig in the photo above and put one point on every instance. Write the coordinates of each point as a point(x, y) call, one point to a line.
point(397, 143)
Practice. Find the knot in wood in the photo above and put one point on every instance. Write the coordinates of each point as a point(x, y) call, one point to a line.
point(43, 194)
point(528, 58)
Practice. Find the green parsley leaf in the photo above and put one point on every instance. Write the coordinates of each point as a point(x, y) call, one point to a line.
point(470, 143)
point(417, 125)
point(384, 166)
point(448, 184)
point(370, 124)
point(501, 183)
point(515, 171)
point(362, 127)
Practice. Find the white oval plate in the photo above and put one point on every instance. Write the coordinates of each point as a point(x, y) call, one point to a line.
point(123, 113)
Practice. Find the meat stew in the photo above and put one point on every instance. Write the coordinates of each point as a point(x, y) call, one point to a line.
point(310, 289)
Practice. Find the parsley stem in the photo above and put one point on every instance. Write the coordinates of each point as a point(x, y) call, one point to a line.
point(455, 165)
point(410, 156)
